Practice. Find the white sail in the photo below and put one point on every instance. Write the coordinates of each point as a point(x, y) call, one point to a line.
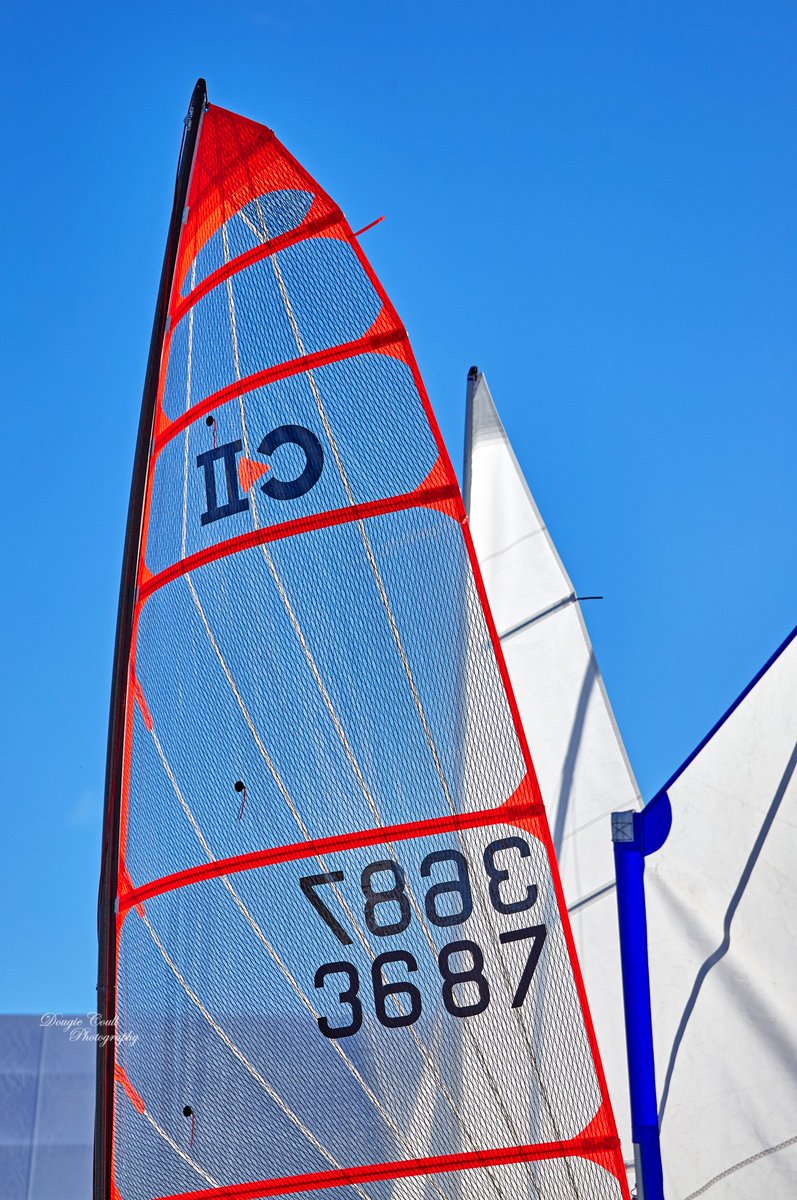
point(722, 924)
point(579, 756)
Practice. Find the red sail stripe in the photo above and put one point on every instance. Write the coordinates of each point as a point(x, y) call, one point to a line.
point(578, 1147)
point(330, 845)
point(302, 233)
point(275, 533)
point(293, 366)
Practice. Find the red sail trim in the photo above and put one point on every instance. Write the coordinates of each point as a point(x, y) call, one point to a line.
point(506, 813)
point(293, 366)
point(579, 1147)
point(275, 533)
point(120, 1075)
point(222, 184)
point(141, 700)
point(302, 233)
point(127, 752)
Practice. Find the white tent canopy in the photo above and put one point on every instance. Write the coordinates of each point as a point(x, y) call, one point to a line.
point(47, 1070)
point(722, 929)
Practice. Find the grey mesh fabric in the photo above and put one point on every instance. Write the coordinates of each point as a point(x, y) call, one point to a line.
point(46, 1108)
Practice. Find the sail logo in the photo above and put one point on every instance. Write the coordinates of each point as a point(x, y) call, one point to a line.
point(221, 465)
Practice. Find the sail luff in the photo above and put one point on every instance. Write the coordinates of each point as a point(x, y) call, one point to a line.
point(106, 914)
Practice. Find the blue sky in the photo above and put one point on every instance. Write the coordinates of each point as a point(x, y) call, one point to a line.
point(594, 202)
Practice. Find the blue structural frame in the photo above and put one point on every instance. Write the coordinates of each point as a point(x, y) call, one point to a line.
point(635, 835)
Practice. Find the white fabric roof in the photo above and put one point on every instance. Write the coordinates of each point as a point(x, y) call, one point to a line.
point(46, 1110)
point(722, 931)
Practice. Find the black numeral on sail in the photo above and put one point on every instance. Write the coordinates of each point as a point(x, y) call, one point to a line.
point(517, 935)
point(382, 990)
point(474, 974)
point(348, 996)
point(308, 884)
point(393, 895)
point(499, 876)
point(456, 887)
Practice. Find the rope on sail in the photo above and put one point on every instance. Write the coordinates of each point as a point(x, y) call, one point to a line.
point(201, 1172)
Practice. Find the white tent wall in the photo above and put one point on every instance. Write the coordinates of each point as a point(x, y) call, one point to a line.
point(47, 1071)
point(722, 928)
point(579, 756)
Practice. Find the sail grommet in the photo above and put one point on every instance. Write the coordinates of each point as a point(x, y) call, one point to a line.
point(240, 786)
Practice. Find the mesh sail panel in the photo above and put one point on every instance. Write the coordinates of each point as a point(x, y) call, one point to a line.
point(340, 938)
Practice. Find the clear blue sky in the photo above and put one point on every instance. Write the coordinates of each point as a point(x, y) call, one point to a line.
point(593, 201)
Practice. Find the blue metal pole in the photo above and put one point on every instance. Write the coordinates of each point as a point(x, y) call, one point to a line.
point(636, 835)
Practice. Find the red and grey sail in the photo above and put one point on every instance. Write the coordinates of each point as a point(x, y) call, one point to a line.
point(331, 918)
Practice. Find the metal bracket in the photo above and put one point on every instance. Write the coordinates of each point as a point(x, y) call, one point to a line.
point(623, 826)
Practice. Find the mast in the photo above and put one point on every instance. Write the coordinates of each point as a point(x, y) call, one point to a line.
point(106, 917)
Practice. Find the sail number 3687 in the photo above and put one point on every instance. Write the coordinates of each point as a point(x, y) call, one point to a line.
point(465, 988)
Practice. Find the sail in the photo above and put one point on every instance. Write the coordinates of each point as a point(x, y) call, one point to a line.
point(721, 906)
point(579, 756)
point(330, 909)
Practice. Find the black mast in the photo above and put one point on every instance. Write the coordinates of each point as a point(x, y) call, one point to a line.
point(106, 917)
